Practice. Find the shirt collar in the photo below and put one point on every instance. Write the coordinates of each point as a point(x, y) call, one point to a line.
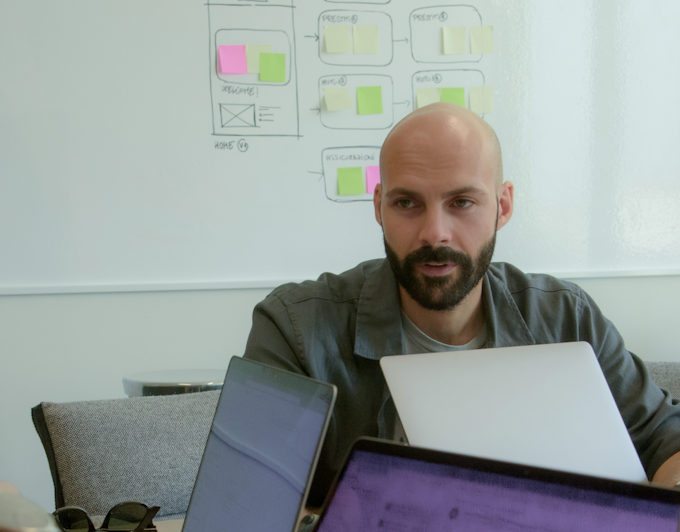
point(378, 329)
point(505, 324)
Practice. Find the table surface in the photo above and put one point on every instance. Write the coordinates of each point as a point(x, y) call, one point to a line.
point(171, 525)
point(175, 525)
point(180, 376)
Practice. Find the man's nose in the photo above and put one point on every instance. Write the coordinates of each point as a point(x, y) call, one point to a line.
point(434, 230)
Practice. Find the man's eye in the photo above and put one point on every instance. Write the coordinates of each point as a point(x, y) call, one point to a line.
point(462, 203)
point(405, 203)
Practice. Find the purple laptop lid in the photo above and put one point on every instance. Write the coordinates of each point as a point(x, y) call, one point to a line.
point(386, 486)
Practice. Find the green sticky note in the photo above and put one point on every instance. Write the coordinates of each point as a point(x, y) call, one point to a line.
point(481, 100)
point(453, 41)
point(273, 67)
point(369, 100)
point(337, 39)
point(426, 97)
point(481, 39)
point(337, 99)
point(454, 95)
point(366, 39)
point(253, 52)
point(350, 181)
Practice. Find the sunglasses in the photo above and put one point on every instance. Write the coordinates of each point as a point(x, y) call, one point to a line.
point(125, 516)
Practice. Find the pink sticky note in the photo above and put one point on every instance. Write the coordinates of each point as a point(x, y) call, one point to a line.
point(372, 178)
point(233, 59)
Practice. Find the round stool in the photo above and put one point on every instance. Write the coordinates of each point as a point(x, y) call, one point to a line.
point(173, 381)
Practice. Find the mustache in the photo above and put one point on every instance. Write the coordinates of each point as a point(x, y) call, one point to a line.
point(441, 254)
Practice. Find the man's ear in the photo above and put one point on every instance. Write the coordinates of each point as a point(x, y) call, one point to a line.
point(377, 202)
point(506, 198)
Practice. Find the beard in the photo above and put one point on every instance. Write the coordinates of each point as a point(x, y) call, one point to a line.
point(440, 293)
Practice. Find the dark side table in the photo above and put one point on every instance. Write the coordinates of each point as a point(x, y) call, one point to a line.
point(173, 381)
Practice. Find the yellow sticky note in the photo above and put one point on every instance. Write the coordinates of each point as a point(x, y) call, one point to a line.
point(366, 39)
point(453, 41)
point(481, 100)
point(253, 52)
point(337, 39)
point(481, 39)
point(426, 97)
point(337, 99)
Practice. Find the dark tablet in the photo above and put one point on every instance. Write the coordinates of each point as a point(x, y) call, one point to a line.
point(262, 449)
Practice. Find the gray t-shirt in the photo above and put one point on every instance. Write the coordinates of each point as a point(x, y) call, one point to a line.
point(416, 341)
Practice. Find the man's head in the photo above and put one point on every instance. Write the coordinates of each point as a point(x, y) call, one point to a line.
point(440, 202)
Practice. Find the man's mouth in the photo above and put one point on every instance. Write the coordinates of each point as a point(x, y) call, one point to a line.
point(436, 269)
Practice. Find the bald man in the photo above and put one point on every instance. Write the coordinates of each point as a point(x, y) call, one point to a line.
point(441, 200)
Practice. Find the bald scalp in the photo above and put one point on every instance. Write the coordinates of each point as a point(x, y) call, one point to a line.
point(445, 120)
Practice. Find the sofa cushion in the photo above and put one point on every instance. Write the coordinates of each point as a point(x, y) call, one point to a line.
point(145, 449)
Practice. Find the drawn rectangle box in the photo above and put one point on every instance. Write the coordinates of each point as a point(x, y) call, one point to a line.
point(351, 18)
point(242, 105)
point(453, 78)
point(349, 118)
point(345, 157)
point(237, 115)
point(426, 32)
point(277, 39)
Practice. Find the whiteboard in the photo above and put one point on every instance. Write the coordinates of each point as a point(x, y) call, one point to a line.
point(128, 160)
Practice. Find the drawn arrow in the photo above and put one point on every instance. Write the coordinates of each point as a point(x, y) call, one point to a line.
point(315, 37)
point(402, 103)
point(320, 174)
point(315, 109)
point(400, 40)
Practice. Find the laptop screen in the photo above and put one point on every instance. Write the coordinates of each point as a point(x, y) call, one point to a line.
point(261, 450)
point(381, 491)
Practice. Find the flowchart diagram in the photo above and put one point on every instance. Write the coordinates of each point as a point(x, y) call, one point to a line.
point(453, 34)
point(254, 79)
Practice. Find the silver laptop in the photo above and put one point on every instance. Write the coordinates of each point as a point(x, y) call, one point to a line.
point(261, 452)
point(541, 405)
point(385, 486)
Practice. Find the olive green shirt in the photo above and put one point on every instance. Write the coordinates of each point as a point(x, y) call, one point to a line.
point(337, 328)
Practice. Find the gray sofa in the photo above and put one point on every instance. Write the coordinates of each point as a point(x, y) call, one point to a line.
point(666, 375)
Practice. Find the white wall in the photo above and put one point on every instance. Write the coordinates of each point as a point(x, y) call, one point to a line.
point(646, 310)
point(78, 347)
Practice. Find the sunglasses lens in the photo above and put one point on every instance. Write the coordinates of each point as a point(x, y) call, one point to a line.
point(127, 516)
point(72, 520)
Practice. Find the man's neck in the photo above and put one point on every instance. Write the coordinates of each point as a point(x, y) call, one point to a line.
point(453, 327)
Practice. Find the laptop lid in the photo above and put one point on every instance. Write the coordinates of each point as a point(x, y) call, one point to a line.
point(386, 486)
point(261, 452)
point(543, 405)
